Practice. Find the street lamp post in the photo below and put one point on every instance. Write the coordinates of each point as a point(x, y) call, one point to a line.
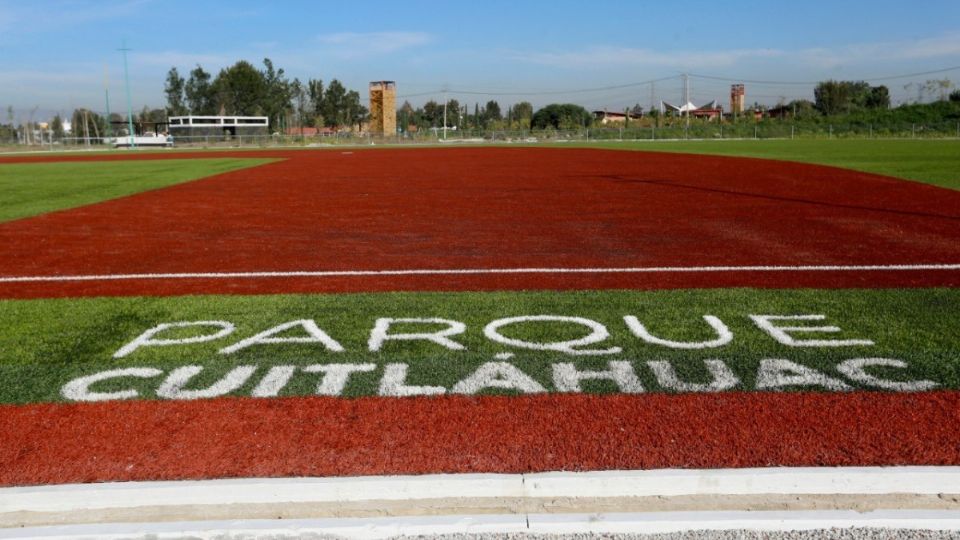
point(126, 77)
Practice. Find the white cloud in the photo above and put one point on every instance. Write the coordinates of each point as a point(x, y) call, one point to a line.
point(935, 47)
point(626, 56)
point(357, 44)
point(943, 46)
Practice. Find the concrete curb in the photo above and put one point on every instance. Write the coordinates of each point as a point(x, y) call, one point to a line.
point(797, 498)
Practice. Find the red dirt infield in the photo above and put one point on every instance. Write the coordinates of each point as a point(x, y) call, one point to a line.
point(315, 436)
point(478, 208)
point(483, 208)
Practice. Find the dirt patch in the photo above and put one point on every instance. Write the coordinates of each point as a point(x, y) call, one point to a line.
point(247, 437)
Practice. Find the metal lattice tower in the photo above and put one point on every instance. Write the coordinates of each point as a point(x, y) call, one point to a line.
point(383, 107)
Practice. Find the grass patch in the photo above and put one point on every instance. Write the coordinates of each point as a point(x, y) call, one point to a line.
point(934, 162)
point(46, 343)
point(30, 189)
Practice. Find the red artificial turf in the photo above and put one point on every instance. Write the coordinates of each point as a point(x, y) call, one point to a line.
point(315, 436)
point(491, 208)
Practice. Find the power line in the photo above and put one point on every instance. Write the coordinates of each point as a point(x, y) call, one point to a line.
point(661, 91)
point(785, 83)
point(548, 93)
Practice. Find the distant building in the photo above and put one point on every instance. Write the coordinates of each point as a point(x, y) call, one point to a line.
point(311, 131)
point(780, 111)
point(606, 117)
point(709, 111)
point(218, 126)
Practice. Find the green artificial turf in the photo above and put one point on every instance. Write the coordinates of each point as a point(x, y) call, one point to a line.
point(30, 189)
point(46, 343)
point(934, 162)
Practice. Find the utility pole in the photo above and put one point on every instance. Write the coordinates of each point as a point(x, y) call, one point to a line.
point(686, 96)
point(653, 94)
point(30, 125)
point(106, 92)
point(444, 112)
point(126, 76)
point(86, 129)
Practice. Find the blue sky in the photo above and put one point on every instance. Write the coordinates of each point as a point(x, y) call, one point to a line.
point(53, 53)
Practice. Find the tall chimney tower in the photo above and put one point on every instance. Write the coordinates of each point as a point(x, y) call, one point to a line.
point(737, 98)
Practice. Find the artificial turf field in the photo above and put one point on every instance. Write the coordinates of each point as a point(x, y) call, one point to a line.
point(337, 312)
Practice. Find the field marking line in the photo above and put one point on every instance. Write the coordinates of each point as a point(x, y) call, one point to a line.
point(924, 480)
point(482, 271)
point(487, 524)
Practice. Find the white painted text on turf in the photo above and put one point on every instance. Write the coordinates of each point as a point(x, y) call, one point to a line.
point(773, 374)
point(442, 333)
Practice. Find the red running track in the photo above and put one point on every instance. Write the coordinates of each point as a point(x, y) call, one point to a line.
point(314, 436)
point(492, 208)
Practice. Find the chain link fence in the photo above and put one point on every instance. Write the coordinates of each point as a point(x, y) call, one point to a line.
point(650, 132)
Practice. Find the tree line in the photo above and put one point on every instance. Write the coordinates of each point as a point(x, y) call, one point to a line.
point(244, 90)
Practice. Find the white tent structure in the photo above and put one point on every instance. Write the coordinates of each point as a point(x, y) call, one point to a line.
point(686, 108)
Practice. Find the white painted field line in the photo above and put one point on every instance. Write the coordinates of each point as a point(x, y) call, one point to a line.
point(483, 271)
point(924, 480)
point(605, 523)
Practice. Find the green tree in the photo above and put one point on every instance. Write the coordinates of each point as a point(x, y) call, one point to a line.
point(432, 114)
point(492, 112)
point(148, 115)
point(561, 116)
point(354, 113)
point(836, 97)
point(334, 101)
point(301, 102)
point(802, 109)
point(315, 95)
point(199, 93)
point(405, 116)
point(174, 89)
point(522, 113)
point(240, 90)
point(453, 114)
point(56, 126)
point(878, 98)
point(87, 125)
point(277, 93)
point(832, 96)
